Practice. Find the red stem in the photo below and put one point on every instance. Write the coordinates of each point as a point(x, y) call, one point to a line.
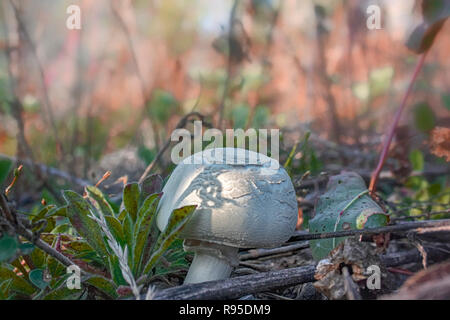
point(390, 136)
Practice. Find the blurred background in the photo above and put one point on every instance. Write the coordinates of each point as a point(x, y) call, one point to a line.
point(76, 103)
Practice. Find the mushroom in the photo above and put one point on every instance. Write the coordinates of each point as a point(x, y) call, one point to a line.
point(243, 201)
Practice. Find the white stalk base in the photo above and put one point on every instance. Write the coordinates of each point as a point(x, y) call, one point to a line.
point(207, 267)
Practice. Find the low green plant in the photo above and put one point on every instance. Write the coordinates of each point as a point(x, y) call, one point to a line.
point(119, 249)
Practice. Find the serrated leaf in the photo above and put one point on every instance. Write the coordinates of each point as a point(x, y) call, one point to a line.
point(345, 205)
point(131, 199)
point(177, 221)
point(78, 211)
point(99, 201)
point(435, 13)
point(36, 277)
point(8, 247)
point(105, 285)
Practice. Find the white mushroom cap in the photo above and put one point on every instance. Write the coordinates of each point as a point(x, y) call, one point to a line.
point(239, 205)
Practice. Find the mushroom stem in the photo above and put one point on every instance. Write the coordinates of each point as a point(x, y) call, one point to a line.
point(211, 262)
point(206, 267)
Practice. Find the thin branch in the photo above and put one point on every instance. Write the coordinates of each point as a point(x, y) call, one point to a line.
point(182, 123)
point(300, 235)
point(391, 133)
point(132, 49)
point(229, 64)
point(256, 253)
point(324, 78)
point(22, 231)
point(33, 49)
point(50, 171)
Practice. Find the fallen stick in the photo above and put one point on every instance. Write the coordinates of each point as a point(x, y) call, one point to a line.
point(237, 287)
point(302, 235)
point(256, 253)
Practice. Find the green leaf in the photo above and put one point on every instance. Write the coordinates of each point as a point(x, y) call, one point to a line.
point(116, 229)
point(19, 284)
point(36, 277)
point(288, 163)
point(345, 205)
point(4, 289)
point(78, 211)
point(116, 272)
point(434, 13)
point(417, 160)
point(177, 221)
point(5, 167)
point(122, 215)
point(99, 201)
point(62, 292)
point(424, 117)
point(105, 285)
point(38, 258)
point(8, 247)
point(79, 245)
point(151, 185)
point(175, 258)
point(55, 268)
point(146, 230)
point(128, 232)
point(131, 199)
point(26, 248)
point(41, 214)
point(58, 212)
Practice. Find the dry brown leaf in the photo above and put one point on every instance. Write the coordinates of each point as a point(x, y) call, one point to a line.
point(440, 142)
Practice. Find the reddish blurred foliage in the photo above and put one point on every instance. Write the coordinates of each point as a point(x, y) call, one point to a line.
point(440, 142)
